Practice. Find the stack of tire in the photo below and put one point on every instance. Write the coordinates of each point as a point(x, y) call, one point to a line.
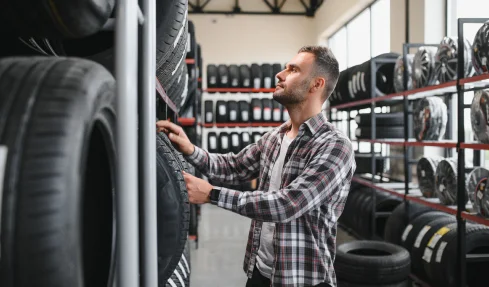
point(357, 215)
point(364, 163)
point(430, 237)
point(387, 126)
point(57, 147)
point(235, 141)
point(194, 73)
point(256, 110)
point(355, 83)
point(253, 76)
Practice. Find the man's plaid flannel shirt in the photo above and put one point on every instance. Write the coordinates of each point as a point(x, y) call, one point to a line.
point(317, 172)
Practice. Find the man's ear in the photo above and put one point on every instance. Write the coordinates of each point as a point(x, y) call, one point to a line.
point(318, 84)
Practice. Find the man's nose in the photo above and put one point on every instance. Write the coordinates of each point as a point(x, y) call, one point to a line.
point(281, 76)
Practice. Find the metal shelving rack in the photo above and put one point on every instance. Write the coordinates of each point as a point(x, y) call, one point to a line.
point(135, 68)
point(459, 86)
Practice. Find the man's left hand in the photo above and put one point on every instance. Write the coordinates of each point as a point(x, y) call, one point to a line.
point(198, 189)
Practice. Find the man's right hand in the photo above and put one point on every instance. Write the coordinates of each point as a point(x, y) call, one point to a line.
point(177, 136)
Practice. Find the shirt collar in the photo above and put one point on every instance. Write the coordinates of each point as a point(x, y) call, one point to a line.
point(313, 123)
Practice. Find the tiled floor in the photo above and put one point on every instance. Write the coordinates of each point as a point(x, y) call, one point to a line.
point(218, 261)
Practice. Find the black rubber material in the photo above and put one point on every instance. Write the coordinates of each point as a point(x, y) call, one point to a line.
point(374, 262)
point(57, 18)
point(480, 50)
point(212, 76)
point(256, 76)
point(221, 112)
point(400, 284)
point(276, 112)
point(364, 163)
point(191, 51)
point(255, 136)
point(179, 90)
point(245, 139)
point(417, 252)
point(276, 68)
point(224, 142)
point(200, 65)
point(267, 110)
point(244, 111)
point(211, 139)
point(181, 275)
point(382, 133)
point(443, 272)
point(234, 76)
point(208, 112)
point(235, 142)
point(193, 222)
point(233, 112)
point(267, 76)
point(256, 110)
point(397, 221)
point(172, 209)
point(382, 120)
point(415, 227)
point(57, 119)
point(245, 76)
point(223, 76)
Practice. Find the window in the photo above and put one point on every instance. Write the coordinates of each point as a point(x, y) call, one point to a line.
point(465, 9)
point(366, 35)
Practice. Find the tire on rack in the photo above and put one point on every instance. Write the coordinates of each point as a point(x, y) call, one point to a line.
point(398, 220)
point(256, 76)
point(393, 132)
point(181, 275)
point(267, 79)
point(171, 42)
point(179, 90)
point(418, 227)
point(56, 19)
point(374, 262)
point(172, 211)
point(57, 119)
point(383, 120)
point(443, 261)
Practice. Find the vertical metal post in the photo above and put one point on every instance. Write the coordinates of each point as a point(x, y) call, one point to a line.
point(373, 135)
point(126, 64)
point(149, 262)
point(407, 175)
point(461, 266)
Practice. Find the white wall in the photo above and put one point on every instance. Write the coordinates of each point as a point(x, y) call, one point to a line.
point(251, 5)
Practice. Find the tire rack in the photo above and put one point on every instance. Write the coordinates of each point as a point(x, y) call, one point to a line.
point(459, 86)
point(135, 66)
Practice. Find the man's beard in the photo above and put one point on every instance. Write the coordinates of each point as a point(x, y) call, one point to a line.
point(292, 96)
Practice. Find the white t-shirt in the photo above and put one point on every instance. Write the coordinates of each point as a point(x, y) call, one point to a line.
point(264, 260)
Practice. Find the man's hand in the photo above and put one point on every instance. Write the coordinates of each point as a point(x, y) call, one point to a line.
point(177, 136)
point(198, 189)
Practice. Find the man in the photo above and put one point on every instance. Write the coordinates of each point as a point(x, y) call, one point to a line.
point(305, 167)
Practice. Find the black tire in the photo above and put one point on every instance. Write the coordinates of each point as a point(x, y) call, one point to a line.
point(400, 284)
point(256, 76)
point(191, 52)
point(57, 119)
point(56, 19)
point(212, 76)
point(443, 265)
point(224, 143)
point(234, 78)
point(172, 210)
point(245, 76)
point(400, 218)
point(179, 90)
point(212, 142)
point(232, 112)
point(221, 111)
point(235, 142)
point(267, 110)
point(181, 275)
point(374, 262)
point(382, 133)
point(256, 110)
point(277, 68)
point(244, 111)
point(418, 227)
point(267, 76)
point(193, 224)
point(383, 120)
point(364, 163)
point(209, 112)
point(223, 76)
point(417, 251)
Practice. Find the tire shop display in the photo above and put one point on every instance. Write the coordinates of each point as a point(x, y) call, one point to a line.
point(399, 73)
point(256, 76)
point(446, 59)
point(58, 121)
point(430, 119)
point(364, 163)
point(400, 217)
point(223, 76)
point(446, 181)
point(424, 67)
point(480, 50)
point(172, 208)
point(479, 112)
point(476, 187)
point(60, 170)
point(388, 125)
point(374, 262)
point(426, 172)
